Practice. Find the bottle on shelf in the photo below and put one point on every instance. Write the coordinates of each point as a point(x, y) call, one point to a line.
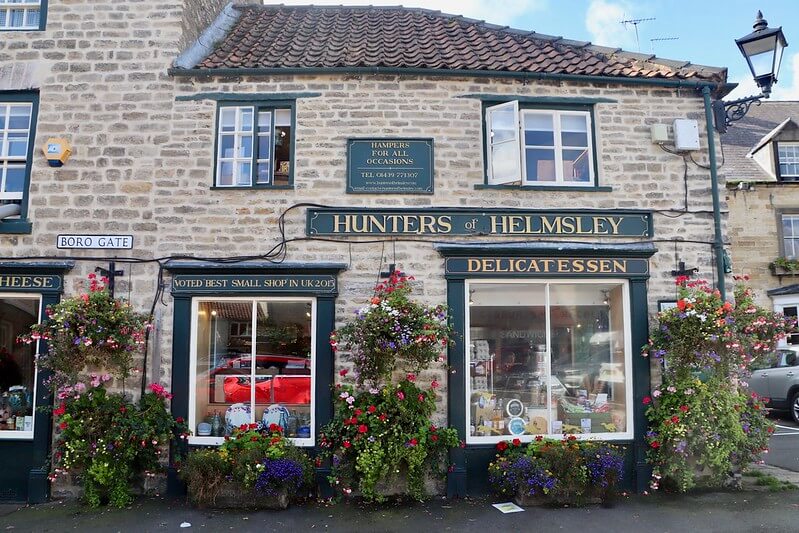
point(216, 425)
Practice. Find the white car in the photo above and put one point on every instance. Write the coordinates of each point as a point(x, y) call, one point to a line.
point(777, 378)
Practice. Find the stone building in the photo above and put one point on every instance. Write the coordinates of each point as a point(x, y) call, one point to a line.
point(761, 156)
point(259, 175)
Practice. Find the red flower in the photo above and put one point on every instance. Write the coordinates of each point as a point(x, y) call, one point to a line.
point(502, 446)
point(655, 444)
point(684, 408)
point(253, 438)
point(382, 418)
point(62, 425)
point(517, 442)
point(61, 410)
point(539, 438)
point(371, 408)
point(243, 427)
point(681, 304)
point(274, 428)
point(571, 437)
point(274, 440)
point(179, 420)
point(375, 300)
point(253, 426)
point(362, 428)
point(347, 444)
point(434, 438)
point(358, 412)
point(343, 372)
point(647, 400)
point(413, 442)
point(433, 427)
point(675, 419)
point(434, 384)
point(411, 377)
point(421, 397)
point(123, 409)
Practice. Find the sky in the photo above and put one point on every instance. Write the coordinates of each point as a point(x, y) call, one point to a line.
point(700, 31)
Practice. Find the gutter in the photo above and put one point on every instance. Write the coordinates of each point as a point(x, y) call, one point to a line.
point(719, 87)
point(718, 242)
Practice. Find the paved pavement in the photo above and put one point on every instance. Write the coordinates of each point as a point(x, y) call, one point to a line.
point(730, 512)
point(784, 444)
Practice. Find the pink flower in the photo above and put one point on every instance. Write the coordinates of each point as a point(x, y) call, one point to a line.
point(411, 377)
point(434, 384)
point(400, 395)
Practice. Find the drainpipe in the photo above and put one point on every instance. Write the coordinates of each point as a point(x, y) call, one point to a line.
point(718, 242)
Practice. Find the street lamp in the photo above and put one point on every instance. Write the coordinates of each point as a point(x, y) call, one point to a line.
point(762, 50)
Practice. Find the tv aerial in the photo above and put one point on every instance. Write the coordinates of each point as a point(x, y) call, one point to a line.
point(635, 23)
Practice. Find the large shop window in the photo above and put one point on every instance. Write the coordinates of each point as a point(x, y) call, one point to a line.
point(548, 358)
point(254, 146)
point(539, 146)
point(252, 361)
point(17, 365)
point(22, 14)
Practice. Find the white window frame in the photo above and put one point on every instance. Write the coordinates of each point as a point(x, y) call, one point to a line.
point(548, 282)
point(8, 161)
point(792, 159)
point(521, 166)
point(780, 303)
point(794, 236)
point(6, 434)
point(195, 307)
point(27, 7)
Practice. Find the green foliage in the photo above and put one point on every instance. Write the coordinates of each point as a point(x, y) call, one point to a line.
point(242, 459)
point(378, 434)
point(108, 439)
point(704, 423)
point(89, 330)
point(393, 332)
point(789, 265)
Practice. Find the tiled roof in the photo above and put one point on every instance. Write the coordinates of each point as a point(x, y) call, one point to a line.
point(746, 133)
point(347, 37)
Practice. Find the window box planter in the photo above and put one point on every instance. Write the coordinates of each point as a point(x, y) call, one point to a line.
point(232, 496)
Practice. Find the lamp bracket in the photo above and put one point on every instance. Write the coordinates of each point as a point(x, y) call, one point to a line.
point(725, 113)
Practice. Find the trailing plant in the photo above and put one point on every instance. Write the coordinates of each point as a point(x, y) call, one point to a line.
point(90, 330)
point(393, 332)
point(107, 439)
point(376, 434)
point(559, 471)
point(789, 265)
point(704, 423)
point(254, 459)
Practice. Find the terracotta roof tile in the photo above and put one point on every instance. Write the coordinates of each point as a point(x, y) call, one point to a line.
point(273, 37)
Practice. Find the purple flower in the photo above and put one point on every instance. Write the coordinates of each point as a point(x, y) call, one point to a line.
point(278, 474)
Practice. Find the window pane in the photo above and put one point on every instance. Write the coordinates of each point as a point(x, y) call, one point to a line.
point(540, 164)
point(223, 371)
point(17, 369)
point(283, 363)
point(507, 358)
point(263, 173)
point(33, 18)
point(246, 119)
point(246, 146)
point(576, 165)
point(282, 150)
point(17, 145)
point(243, 173)
point(264, 147)
point(503, 125)
point(283, 117)
point(228, 119)
point(587, 332)
point(504, 161)
point(19, 118)
point(574, 139)
point(225, 176)
point(539, 138)
point(17, 18)
point(2, 107)
point(3, 18)
point(574, 123)
point(264, 122)
point(15, 179)
point(226, 146)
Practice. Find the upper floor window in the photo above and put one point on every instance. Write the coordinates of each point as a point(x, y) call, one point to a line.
point(790, 235)
point(255, 146)
point(788, 157)
point(549, 147)
point(21, 14)
point(17, 116)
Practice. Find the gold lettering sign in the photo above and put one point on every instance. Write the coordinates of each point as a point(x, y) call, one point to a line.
point(23, 281)
point(546, 266)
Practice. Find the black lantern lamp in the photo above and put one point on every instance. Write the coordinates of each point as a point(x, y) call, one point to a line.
point(763, 52)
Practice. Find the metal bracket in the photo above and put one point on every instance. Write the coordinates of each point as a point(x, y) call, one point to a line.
point(725, 113)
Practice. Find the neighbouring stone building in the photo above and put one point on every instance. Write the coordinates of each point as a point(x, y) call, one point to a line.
point(267, 169)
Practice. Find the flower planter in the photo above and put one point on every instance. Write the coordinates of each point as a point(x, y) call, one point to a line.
point(233, 496)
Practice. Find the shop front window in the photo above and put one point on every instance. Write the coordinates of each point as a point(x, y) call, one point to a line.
point(548, 358)
point(252, 361)
point(17, 368)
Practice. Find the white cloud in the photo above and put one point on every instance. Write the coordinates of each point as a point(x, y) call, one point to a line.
point(496, 12)
point(603, 21)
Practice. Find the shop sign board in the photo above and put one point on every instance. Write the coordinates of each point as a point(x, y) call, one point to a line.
point(390, 166)
point(248, 283)
point(395, 222)
point(547, 266)
point(29, 282)
point(95, 242)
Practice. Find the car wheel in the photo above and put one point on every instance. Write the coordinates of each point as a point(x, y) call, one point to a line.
point(795, 407)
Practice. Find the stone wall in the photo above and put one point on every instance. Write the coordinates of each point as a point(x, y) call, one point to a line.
point(143, 162)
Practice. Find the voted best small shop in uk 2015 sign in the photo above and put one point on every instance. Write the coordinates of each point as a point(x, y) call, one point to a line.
point(390, 166)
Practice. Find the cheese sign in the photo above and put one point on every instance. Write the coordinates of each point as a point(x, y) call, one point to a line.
point(95, 242)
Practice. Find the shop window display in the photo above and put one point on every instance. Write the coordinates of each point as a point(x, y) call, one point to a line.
point(17, 366)
point(253, 361)
point(548, 359)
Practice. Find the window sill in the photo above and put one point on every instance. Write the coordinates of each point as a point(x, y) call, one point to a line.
point(16, 435)
point(218, 441)
point(16, 227)
point(253, 187)
point(581, 188)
